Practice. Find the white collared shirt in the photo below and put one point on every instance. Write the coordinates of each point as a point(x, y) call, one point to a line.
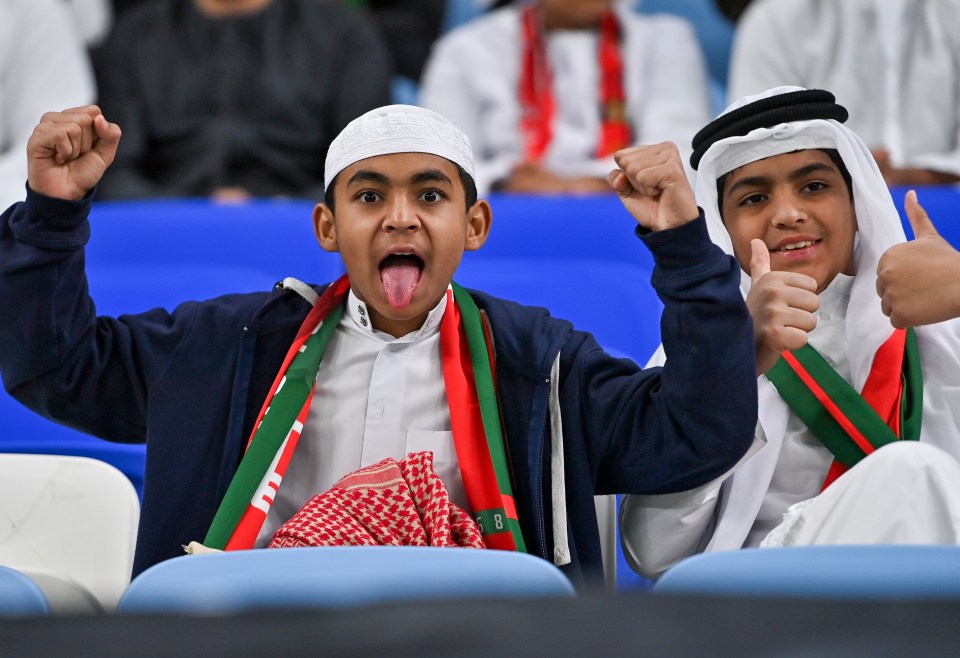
point(376, 397)
point(804, 461)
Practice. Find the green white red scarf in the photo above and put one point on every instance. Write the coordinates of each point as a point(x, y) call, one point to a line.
point(474, 417)
point(537, 103)
point(849, 424)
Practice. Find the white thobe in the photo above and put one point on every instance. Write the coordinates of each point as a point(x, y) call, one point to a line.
point(376, 397)
point(804, 461)
point(473, 76)
point(43, 68)
point(910, 494)
point(892, 63)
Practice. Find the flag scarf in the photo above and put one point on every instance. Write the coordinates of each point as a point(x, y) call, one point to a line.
point(538, 105)
point(849, 424)
point(474, 416)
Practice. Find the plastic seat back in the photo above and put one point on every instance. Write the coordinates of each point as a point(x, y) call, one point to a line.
point(229, 582)
point(851, 572)
point(73, 516)
point(20, 596)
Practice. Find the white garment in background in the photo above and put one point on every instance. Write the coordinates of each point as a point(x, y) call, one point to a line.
point(43, 68)
point(93, 18)
point(658, 531)
point(376, 397)
point(473, 75)
point(894, 64)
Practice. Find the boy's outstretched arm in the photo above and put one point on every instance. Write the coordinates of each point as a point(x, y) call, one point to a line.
point(919, 281)
point(69, 151)
point(56, 356)
point(702, 406)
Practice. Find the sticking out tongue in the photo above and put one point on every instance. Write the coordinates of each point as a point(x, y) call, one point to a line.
point(399, 276)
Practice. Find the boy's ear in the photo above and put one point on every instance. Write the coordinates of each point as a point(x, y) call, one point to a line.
point(325, 228)
point(479, 218)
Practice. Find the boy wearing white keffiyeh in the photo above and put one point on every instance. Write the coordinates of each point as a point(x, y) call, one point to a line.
point(801, 203)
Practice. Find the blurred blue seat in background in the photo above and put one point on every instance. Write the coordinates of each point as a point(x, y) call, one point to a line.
point(274, 237)
point(595, 228)
point(459, 12)
point(612, 300)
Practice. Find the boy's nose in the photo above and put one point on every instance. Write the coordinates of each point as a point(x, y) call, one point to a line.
point(400, 216)
point(788, 212)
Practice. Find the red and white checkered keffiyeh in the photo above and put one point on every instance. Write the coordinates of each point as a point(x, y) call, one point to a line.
point(391, 503)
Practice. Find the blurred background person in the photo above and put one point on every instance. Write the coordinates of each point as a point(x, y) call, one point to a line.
point(93, 19)
point(895, 64)
point(43, 65)
point(547, 90)
point(732, 9)
point(234, 98)
point(409, 27)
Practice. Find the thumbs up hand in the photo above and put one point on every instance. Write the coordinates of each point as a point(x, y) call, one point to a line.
point(782, 304)
point(919, 281)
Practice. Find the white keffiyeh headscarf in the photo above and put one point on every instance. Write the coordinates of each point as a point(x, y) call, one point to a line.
point(879, 229)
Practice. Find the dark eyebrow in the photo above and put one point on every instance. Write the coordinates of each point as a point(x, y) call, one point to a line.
point(749, 181)
point(430, 176)
point(367, 176)
point(812, 168)
point(797, 174)
point(376, 178)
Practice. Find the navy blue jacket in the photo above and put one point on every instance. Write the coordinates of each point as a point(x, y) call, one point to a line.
point(190, 383)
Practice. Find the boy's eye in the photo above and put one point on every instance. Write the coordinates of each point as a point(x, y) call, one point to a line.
point(752, 199)
point(431, 196)
point(815, 186)
point(368, 196)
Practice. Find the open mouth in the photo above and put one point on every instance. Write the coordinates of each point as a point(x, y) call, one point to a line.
point(795, 247)
point(399, 276)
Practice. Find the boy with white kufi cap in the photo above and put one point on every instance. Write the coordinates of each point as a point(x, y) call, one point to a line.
point(527, 418)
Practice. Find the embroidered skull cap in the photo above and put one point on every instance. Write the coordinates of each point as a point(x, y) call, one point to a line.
point(398, 129)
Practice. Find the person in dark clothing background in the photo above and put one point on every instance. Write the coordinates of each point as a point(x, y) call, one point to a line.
point(409, 28)
point(235, 98)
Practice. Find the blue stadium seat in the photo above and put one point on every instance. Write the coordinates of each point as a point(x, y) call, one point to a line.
point(26, 432)
point(272, 237)
point(612, 300)
point(20, 596)
point(459, 12)
point(822, 572)
point(570, 228)
point(224, 583)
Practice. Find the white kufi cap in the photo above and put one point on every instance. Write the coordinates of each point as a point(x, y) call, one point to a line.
point(398, 129)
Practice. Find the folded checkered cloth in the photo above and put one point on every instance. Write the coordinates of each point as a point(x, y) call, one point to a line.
point(391, 503)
